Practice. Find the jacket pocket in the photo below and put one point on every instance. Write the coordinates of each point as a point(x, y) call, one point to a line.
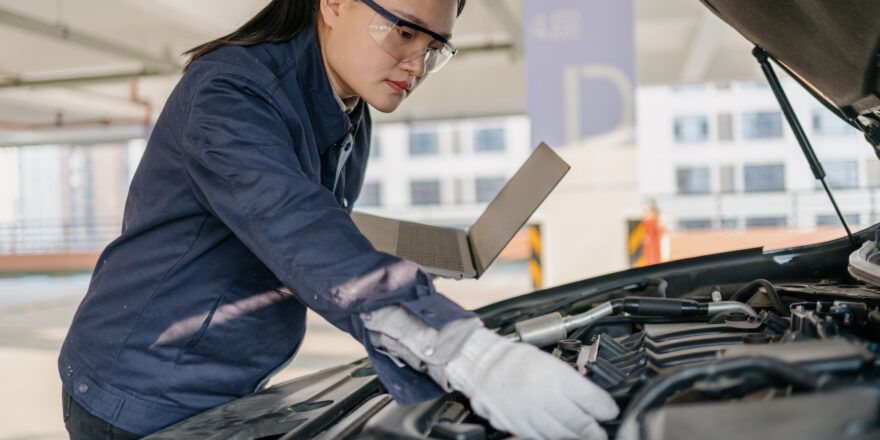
point(244, 339)
point(197, 337)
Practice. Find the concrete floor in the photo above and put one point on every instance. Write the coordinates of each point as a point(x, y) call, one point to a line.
point(35, 313)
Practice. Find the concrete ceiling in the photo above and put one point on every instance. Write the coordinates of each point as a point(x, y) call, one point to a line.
point(72, 61)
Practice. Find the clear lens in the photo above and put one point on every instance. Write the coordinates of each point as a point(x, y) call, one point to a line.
point(406, 44)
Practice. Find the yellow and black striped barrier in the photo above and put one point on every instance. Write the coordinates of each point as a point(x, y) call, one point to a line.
point(535, 258)
point(635, 243)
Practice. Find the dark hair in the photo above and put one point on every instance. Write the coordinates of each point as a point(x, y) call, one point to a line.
point(279, 21)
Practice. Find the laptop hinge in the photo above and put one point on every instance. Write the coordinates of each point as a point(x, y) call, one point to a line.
point(477, 263)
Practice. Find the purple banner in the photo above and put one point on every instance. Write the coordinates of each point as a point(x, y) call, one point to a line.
point(581, 74)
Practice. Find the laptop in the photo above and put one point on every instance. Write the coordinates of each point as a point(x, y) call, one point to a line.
point(455, 253)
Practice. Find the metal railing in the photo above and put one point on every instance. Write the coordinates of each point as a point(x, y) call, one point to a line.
point(57, 236)
point(800, 209)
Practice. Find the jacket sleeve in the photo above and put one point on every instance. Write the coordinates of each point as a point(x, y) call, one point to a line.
point(244, 167)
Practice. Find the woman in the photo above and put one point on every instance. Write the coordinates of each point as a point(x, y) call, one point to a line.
point(237, 219)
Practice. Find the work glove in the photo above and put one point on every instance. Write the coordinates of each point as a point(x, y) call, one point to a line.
point(525, 391)
point(515, 386)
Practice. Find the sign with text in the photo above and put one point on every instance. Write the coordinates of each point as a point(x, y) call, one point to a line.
point(580, 57)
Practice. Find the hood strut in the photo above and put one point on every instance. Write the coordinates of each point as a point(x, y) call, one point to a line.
point(794, 123)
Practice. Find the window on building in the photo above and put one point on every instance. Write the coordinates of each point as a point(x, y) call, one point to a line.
point(489, 139)
point(762, 125)
point(694, 224)
point(425, 192)
point(766, 222)
point(826, 123)
point(423, 143)
point(488, 188)
point(725, 127)
point(842, 174)
point(691, 129)
point(727, 182)
point(371, 195)
point(764, 178)
point(375, 146)
point(753, 85)
point(692, 180)
point(834, 220)
point(729, 223)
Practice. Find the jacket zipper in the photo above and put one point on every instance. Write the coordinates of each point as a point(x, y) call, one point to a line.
point(344, 153)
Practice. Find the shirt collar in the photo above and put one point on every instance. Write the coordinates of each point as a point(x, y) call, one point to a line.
point(347, 109)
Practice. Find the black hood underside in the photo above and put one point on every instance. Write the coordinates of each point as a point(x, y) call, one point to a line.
point(831, 46)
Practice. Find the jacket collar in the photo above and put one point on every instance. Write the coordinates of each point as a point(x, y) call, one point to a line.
point(330, 123)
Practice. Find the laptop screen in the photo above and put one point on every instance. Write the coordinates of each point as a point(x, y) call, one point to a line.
point(513, 206)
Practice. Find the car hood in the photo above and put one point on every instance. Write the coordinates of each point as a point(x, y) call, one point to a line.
point(831, 47)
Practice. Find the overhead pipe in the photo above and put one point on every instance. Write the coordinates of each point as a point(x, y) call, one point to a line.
point(13, 81)
point(64, 33)
point(135, 97)
point(19, 126)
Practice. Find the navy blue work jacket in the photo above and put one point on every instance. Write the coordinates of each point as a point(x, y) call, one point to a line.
point(230, 231)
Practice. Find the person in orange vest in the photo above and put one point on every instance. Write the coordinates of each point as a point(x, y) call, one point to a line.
point(655, 248)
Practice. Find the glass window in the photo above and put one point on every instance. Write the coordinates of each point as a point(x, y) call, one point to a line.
point(371, 195)
point(729, 223)
point(762, 125)
point(489, 139)
point(826, 123)
point(692, 180)
point(694, 224)
point(764, 178)
point(834, 220)
point(753, 85)
point(766, 222)
point(691, 129)
point(488, 188)
point(423, 143)
point(841, 174)
point(725, 127)
point(425, 192)
point(727, 183)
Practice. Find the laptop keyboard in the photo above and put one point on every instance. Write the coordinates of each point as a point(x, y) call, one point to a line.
point(434, 247)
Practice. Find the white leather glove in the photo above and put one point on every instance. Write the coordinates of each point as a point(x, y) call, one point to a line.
point(517, 387)
point(525, 391)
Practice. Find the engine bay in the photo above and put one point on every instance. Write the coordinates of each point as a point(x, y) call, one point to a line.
point(759, 358)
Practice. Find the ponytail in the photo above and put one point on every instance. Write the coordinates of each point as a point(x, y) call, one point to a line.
point(279, 21)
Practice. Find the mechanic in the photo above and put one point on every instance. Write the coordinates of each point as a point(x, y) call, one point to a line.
point(237, 219)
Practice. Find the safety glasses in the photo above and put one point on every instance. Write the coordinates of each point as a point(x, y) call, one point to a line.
point(407, 41)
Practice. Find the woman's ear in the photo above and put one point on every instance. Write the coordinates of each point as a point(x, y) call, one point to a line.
point(330, 12)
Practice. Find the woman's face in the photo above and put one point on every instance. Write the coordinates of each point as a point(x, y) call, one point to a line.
point(359, 65)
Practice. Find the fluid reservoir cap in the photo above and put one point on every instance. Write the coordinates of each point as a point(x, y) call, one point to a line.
point(569, 345)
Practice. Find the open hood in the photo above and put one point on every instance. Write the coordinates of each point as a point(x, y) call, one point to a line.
point(831, 47)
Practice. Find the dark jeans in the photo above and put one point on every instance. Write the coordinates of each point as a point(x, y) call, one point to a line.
point(82, 425)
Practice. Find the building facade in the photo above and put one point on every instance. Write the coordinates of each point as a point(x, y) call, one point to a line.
point(722, 156)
